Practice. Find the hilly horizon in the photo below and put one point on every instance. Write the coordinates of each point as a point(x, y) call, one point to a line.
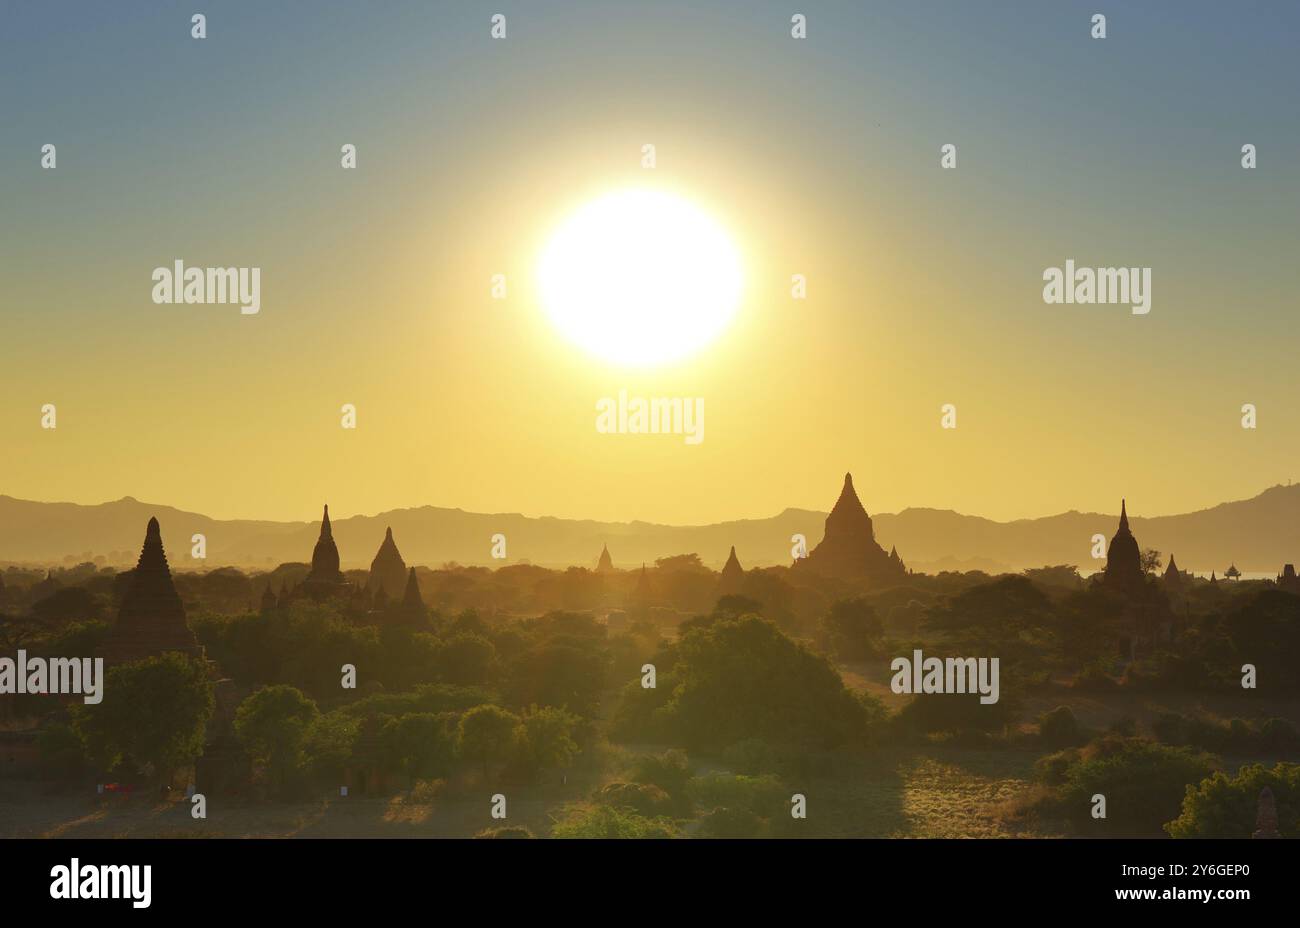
point(1258, 535)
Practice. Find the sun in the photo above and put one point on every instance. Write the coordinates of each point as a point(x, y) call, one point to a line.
point(640, 277)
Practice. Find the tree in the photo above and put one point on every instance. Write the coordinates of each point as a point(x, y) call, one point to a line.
point(853, 631)
point(1225, 807)
point(153, 716)
point(487, 734)
point(1150, 560)
point(1143, 783)
point(567, 672)
point(466, 659)
point(545, 738)
point(273, 724)
point(420, 744)
point(743, 678)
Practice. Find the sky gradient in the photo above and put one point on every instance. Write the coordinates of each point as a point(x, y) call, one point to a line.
point(821, 156)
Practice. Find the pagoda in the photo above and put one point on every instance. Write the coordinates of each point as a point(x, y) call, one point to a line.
point(387, 570)
point(325, 580)
point(733, 576)
point(1173, 576)
point(606, 563)
point(848, 549)
point(1123, 560)
point(151, 620)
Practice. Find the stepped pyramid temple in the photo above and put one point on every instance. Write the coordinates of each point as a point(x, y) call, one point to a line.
point(151, 620)
point(1123, 560)
point(606, 563)
point(1287, 580)
point(325, 579)
point(848, 550)
point(387, 571)
point(733, 576)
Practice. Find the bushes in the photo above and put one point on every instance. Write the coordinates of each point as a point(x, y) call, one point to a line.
point(668, 771)
point(953, 712)
point(1143, 784)
point(731, 823)
point(1237, 736)
point(642, 798)
point(762, 795)
point(1226, 807)
point(603, 821)
point(1059, 728)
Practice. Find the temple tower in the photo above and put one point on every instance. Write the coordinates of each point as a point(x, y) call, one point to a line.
point(151, 620)
point(387, 570)
point(733, 576)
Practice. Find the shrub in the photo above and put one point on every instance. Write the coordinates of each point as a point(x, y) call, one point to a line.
point(604, 821)
point(642, 798)
point(1060, 728)
point(1226, 807)
point(731, 823)
point(506, 831)
point(762, 795)
point(425, 792)
point(668, 771)
point(1143, 783)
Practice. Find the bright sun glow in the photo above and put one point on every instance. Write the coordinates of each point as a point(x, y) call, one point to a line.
point(640, 277)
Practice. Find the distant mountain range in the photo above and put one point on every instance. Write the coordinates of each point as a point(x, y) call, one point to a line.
point(1257, 534)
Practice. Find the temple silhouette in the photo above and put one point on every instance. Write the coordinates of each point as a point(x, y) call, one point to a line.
point(151, 619)
point(848, 550)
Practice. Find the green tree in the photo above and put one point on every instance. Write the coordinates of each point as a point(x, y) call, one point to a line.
point(1221, 806)
point(487, 735)
point(152, 718)
point(466, 659)
point(273, 724)
point(545, 738)
point(421, 744)
point(853, 630)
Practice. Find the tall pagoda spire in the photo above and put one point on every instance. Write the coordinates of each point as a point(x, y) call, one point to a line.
point(1123, 559)
point(325, 579)
point(733, 576)
point(325, 556)
point(151, 619)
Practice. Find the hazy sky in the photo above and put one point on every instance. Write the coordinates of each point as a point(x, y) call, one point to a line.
point(821, 156)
